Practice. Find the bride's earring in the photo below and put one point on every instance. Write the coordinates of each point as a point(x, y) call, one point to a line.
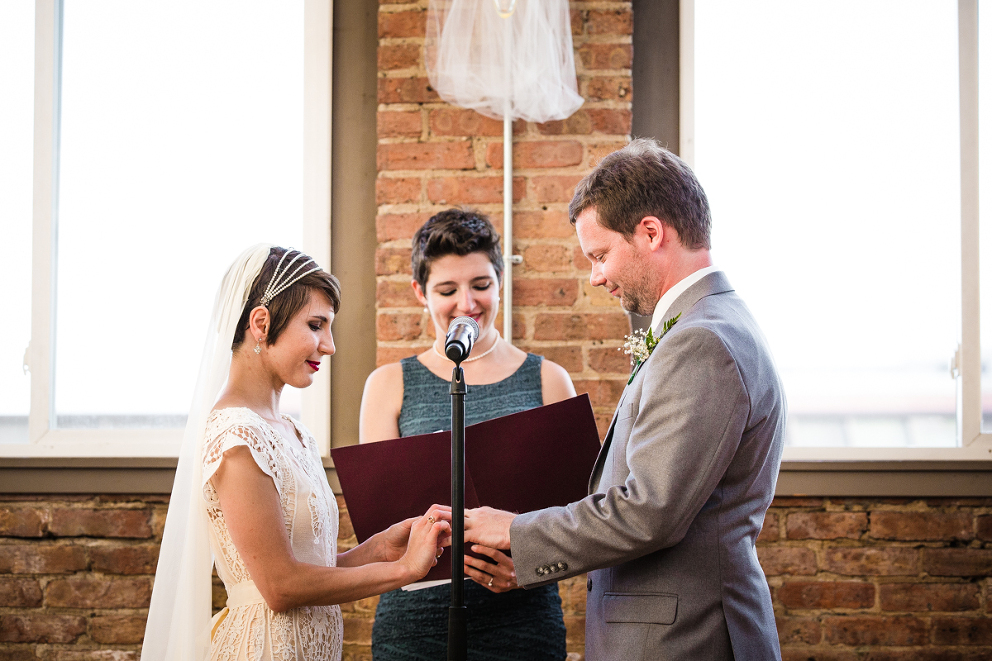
point(258, 347)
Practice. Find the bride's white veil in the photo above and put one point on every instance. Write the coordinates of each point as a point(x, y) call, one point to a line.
point(178, 626)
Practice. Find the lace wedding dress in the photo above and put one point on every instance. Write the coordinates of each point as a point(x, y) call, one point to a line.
point(248, 629)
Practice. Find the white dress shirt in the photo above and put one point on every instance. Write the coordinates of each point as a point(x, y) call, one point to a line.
point(658, 318)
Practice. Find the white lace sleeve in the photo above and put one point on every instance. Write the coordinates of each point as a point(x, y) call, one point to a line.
point(230, 428)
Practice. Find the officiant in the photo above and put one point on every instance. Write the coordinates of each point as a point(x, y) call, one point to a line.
point(457, 268)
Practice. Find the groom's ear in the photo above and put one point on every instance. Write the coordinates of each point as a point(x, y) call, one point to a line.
point(652, 231)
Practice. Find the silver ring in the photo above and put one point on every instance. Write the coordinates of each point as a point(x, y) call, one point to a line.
point(491, 580)
point(431, 519)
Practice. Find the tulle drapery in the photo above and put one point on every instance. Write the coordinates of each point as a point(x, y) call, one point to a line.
point(503, 58)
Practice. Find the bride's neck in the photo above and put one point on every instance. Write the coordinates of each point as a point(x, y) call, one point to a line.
point(250, 385)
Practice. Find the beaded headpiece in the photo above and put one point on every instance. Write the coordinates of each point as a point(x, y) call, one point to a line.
point(283, 279)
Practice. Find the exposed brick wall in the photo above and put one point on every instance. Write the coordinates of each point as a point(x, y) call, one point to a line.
point(851, 579)
point(433, 155)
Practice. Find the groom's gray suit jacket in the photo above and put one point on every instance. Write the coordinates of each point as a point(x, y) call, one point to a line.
point(678, 496)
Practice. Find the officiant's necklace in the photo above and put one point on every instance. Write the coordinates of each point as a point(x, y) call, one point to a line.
point(469, 360)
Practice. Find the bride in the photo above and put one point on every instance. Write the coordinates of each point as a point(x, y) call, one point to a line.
point(251, 491)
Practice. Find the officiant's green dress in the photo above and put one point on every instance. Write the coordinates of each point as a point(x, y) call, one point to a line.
point(519, 625)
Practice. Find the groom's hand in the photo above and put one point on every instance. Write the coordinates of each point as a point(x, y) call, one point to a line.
point(488, 527)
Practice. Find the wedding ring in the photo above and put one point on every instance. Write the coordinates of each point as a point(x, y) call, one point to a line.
point(491, 580)
point(431, 519)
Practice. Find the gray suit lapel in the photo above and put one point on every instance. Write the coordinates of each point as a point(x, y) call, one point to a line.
point(712, 283)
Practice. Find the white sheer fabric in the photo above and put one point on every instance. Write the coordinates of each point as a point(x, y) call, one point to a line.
point(248, 629)
point(178, 626)
point(521, 64)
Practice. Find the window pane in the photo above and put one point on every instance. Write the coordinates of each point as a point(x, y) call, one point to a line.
point(16, 144)
point(182, 144)
point(985, 206)
point(826, 134)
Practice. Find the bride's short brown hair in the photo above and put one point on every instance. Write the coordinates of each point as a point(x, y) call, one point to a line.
point(287, 303)
point(454, 232)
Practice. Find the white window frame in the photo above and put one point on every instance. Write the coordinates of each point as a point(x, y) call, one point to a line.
point(45, 439)
point(973, 444)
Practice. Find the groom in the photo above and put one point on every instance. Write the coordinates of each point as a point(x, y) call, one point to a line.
point(688, 468)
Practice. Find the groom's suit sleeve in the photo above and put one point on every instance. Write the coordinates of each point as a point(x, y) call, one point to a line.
point(682, 432)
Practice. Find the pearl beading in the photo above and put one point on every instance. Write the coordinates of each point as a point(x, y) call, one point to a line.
point(281, 281)
point(469, 360)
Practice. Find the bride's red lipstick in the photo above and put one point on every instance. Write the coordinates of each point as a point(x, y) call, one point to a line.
point(314, 364)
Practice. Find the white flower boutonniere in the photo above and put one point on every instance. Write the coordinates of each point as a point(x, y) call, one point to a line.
point(640, 344)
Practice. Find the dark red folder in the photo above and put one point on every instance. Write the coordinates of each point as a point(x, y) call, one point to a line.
point(520, 462)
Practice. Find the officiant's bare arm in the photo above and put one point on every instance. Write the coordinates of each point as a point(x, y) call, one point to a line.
point(556, 385)
point(254, 517)
point(381, 404)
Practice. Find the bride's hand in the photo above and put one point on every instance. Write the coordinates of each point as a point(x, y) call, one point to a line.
point(393, 540)
point(428, 536)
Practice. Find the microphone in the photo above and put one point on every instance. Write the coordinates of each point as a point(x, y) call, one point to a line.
point(462, 334)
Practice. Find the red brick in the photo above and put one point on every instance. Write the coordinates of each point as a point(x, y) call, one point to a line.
point(871, 561)
point(598, 296)
point(125, 559)
point(555, 188)
point(93, 655)
point(610, 21)
point(604, 417)
point(957, 562)
point(962, 631)
point(38, 559)
point(92, 592)
point(604, 392)
point(471, 190)
point(398, 190)
point(19, 592)
point(402, 24)
point(101, 523)
point(392, 327)
point(608, 88)
point(464, 122)
point(387, 355)
point(922, 526)
point(545, 291)
point(395, 294)
point(575, 626)
point(873, 630)
point(23, 521)
point(549, 224)
point(393, 261)
point(611, 121)
point(393, 124)
point(426, 156)
point(569, 326)
point(393, 226)
point(983, 525)
point(819, 654)
point(126, 629)
point(399, 56)
point(610, 360)
point(825, 525)
point(826, 594)
point(41, 628)
point(575, 16)
point(940, 597)
point(596, 152)
point(568, 357)
point(357, 630)
point(544, 154)
point(769, 529)
point(794, 560)
point(578, 123)
point(18, 654)
point(548, 258)
point(605, 56)
point(926, 654)
point(406, 90)
point(792, 630)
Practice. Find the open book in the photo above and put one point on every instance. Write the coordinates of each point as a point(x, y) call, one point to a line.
point(520, 462)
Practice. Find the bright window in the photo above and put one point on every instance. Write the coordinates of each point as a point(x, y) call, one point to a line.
point(828, 137)
point(179, 138)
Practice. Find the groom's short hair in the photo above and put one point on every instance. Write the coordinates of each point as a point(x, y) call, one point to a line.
point(645, 179)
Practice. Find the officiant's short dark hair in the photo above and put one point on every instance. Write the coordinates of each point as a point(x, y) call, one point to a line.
point(645, 179)
point(287, 303)
point(454, 232)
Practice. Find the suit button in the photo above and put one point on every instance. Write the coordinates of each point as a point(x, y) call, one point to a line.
point(588, 585)
point(540, 571)
point(563, 566)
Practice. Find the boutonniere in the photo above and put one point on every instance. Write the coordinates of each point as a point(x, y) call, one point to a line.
point(641, 343)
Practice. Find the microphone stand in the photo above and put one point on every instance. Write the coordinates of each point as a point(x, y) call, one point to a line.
point(457, 613)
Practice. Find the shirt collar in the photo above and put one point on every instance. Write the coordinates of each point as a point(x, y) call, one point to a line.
point(666, 301)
